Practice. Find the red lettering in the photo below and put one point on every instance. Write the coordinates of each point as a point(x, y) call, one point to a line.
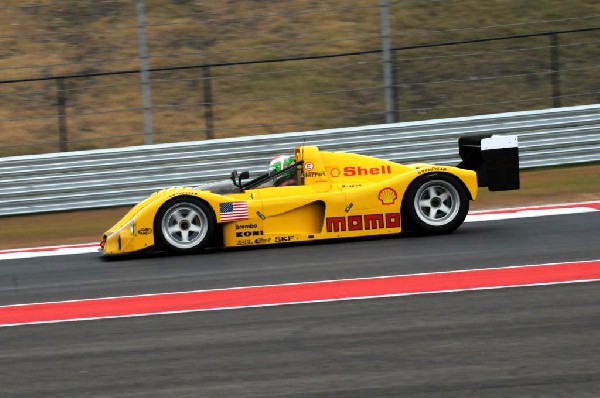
point(366, 222)
point(355, 223)
point(349, 171)
point(392, 220)
point(373, 221)
point(335, 224)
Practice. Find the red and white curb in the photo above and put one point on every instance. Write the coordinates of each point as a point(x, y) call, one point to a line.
point(533, 211)
point(475, 216)
point(299, 293)
point(45, 251)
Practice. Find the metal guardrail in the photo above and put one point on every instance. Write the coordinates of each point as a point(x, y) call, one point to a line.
point(118, 177)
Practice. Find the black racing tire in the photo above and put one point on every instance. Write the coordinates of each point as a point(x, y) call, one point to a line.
point(434, 204)
point(184, 225)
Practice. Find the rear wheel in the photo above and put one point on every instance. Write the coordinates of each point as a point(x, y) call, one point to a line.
point(184, 225)
point(435, 204)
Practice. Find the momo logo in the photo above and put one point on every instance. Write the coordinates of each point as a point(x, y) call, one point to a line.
point(145, 231)
point(361, 223)
point(247, 234)
point(387, 196)
point(351, 171)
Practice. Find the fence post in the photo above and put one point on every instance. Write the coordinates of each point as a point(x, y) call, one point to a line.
point(61, 102)
point(396, 85)
point(208, 102)
point(388, 81)
point(144, 72)
point(555, 70)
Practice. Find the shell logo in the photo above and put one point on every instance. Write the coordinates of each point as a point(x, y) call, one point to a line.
point(388, 196)
point(335, 172)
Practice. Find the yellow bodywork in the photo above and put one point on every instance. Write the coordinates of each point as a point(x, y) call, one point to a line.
point(339, 195)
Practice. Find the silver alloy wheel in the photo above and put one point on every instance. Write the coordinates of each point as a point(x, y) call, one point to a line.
point(184, 225)
point(437, 202)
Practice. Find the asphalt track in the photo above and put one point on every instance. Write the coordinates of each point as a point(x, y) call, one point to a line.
point(525, 341)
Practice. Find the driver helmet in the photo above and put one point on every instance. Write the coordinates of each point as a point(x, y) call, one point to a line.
point(279, 163)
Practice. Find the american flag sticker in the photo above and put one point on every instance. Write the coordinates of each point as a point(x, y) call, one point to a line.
point(233, 211)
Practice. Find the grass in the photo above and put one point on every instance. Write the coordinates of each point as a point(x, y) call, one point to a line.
point(52, 39)
point(543, 186)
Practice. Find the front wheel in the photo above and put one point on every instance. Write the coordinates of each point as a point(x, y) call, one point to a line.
point(184, 225)
point(435, 204)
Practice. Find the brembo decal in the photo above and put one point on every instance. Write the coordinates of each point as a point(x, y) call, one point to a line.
point(246, 226)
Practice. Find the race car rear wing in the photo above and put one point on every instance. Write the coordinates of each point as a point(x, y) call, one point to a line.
point(494, 158)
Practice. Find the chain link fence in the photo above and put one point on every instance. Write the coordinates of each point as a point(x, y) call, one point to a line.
point(71, 72)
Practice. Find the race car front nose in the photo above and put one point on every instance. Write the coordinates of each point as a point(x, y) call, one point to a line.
point(116, 242)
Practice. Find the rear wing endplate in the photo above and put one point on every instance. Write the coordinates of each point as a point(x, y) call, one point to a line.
point(494, 158)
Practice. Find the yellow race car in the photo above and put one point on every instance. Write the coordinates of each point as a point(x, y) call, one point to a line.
point(333, 195)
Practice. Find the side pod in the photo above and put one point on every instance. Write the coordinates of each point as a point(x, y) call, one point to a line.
point(494, 158)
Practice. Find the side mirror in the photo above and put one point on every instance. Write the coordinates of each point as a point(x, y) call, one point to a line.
point(237, 178)
point(244, 175)
point(234, 178)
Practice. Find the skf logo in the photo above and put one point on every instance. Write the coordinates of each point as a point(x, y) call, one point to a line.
point(360, 223)
point(351, 171)
point(387, 196)
point(246, 234)
point(282, 239)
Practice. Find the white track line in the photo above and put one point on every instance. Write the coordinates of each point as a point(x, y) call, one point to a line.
point(476, 216)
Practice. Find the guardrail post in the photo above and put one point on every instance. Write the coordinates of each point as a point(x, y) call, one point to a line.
point(555, 70)
point(62, 115)
point(208, 102)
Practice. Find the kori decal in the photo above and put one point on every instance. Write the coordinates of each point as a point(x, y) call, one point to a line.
point(246, 234)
